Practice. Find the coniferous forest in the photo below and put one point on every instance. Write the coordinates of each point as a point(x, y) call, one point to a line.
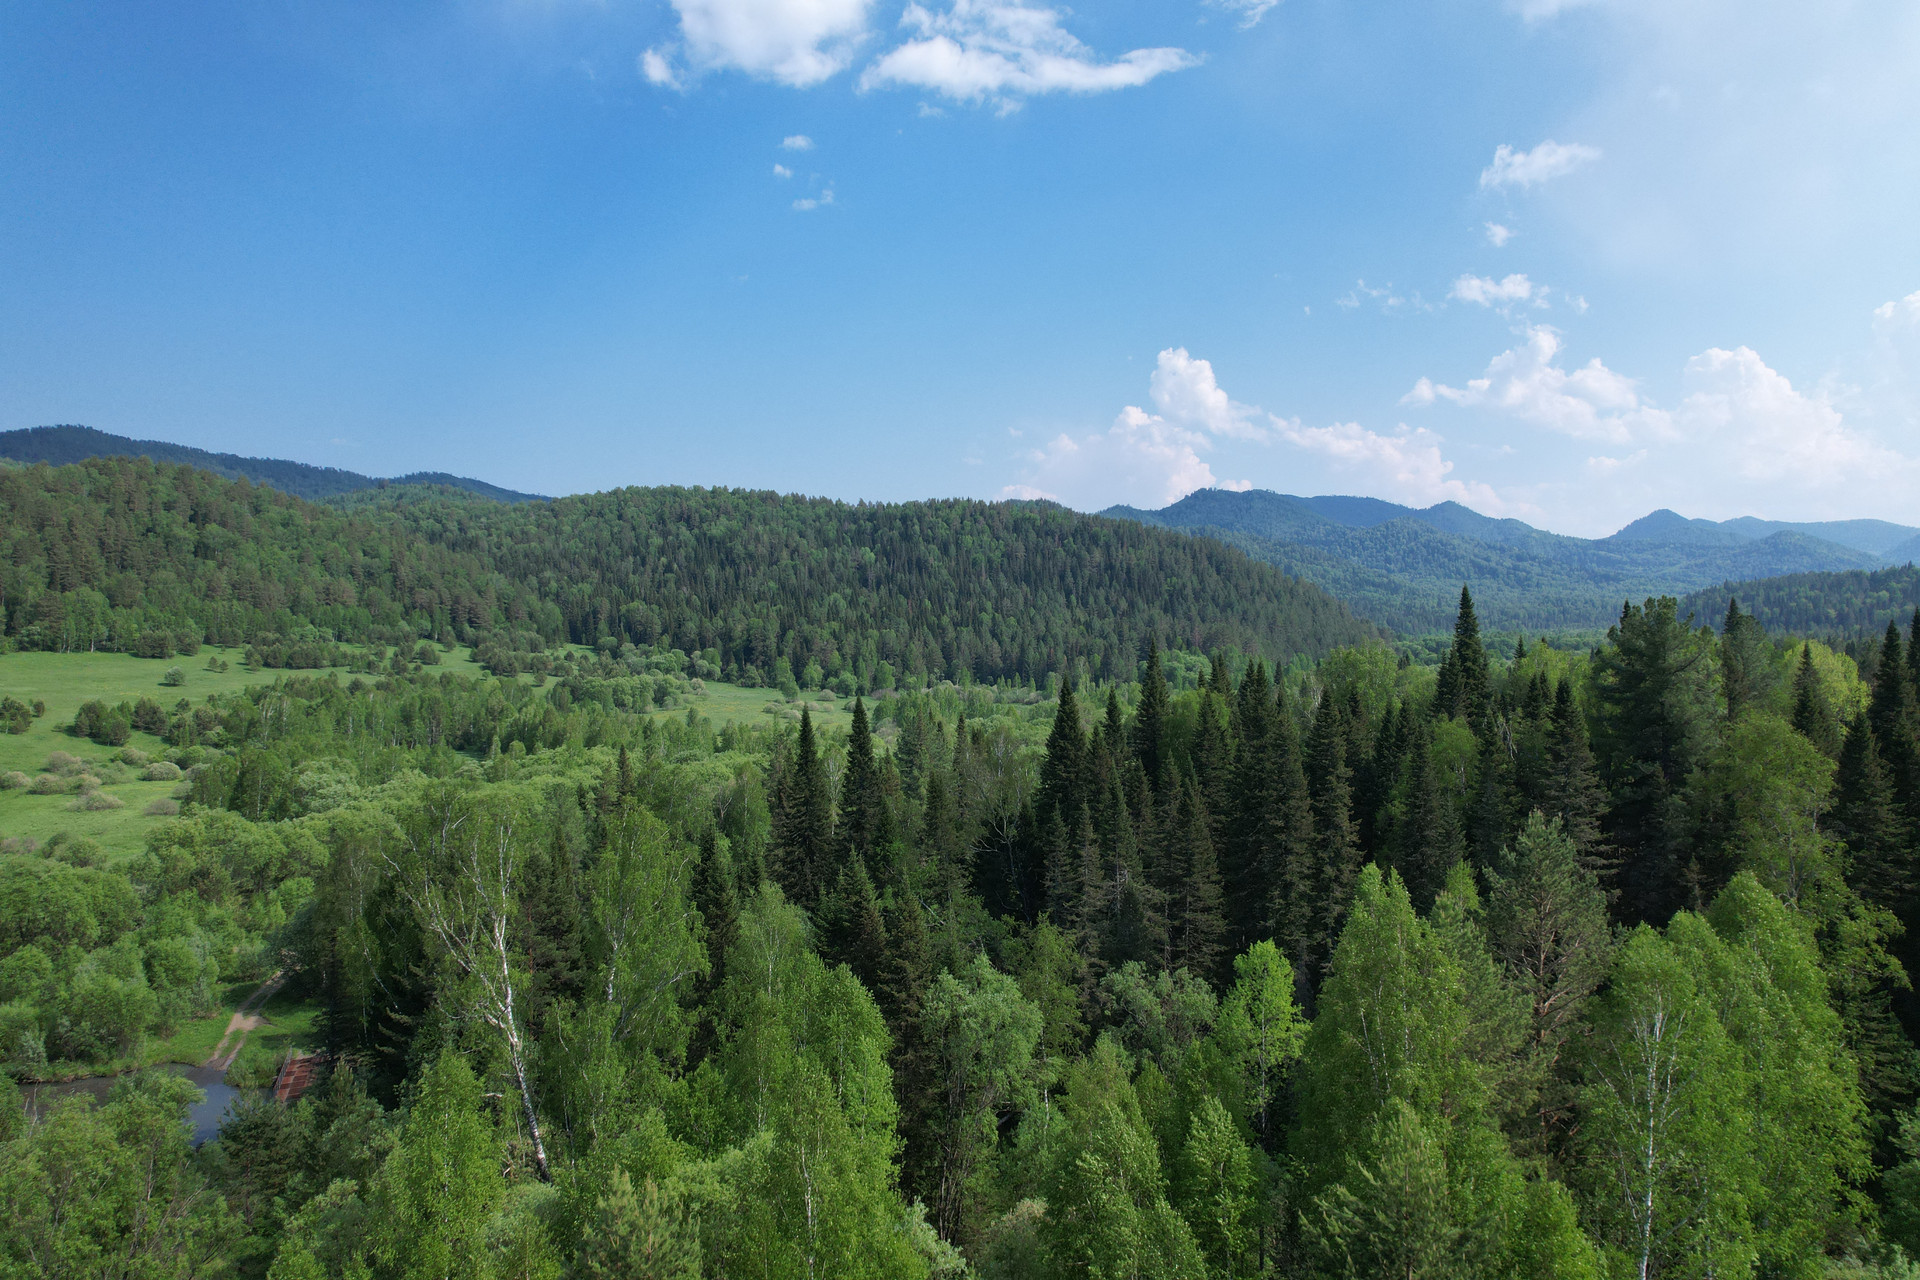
point(1150, 917)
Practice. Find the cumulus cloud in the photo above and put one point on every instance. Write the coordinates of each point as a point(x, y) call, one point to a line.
point(1490, 292)
point(793, 42)
point(808, 203)
point(1004, 50)
point(1769, 431)
point(781, 171)
point(1591, 402)
point(1544, 163)
point(797, 142)
point(1185, 390)
point(1408, 464)
point(1141, 458)
point(1250, 11)
point(1497, 235)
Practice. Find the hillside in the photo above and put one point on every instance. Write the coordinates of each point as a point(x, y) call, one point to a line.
point(1852, 605)
point(58, 446)
point(128, 554)
point(1403, 567)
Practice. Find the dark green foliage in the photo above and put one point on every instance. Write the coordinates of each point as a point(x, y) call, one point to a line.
point(1813, 713)
point(803, 821)
point(1464, 689)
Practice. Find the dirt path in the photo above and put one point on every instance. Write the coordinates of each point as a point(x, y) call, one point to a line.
point(246, 1018)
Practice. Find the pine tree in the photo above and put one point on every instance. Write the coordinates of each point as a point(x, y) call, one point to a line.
point(1571, 790)
point(1272, 824)
point(1867, 817)
point(1150, 722)
point(1496, 804)
point(1742, 663)
point(625, 787)
point(1812, 711)
point(1213, 764)
point(713, 895)
point(1892, 715)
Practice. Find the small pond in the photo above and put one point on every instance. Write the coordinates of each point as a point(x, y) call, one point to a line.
point(204, 1116)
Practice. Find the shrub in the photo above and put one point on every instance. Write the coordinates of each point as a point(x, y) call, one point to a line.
point(161, 771)
point(153, 644)
point(14, 780)
point(47, 784)
point(254, 1067)
point(133, 756)
point(174, 678)
point(108, 726)
point(63, 763)
point(96, 802)
point(162, 808)
point(15, 715)
point(80, 852)
point(19, 845)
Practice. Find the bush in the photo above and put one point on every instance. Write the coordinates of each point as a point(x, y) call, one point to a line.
point(162, 808)
point(161, 771)
point(96, 802)
point(108, 726)
point(174, 678)
point(15, 715)
point(80, 852)
point(63, 763)
point(254, 1067)
point(133, 756)
point(47, 784)
point(153, 644)
point(14, 780)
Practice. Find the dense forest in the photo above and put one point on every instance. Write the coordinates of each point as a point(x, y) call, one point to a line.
point(1537, 964)
point(59, 446)
point(125, 554)
point(1852, 605)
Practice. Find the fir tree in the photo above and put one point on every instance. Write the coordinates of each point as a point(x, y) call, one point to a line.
point(1213, 763)
point(1742, 662)
point(1198, 920)
point(1496, 806)
point(713, 895)
point(1430, 840)
point(1891, 712)
point(1571, 790)
point(1272, 823)
point(1868, 818)
point(852, 932)
point(1318, 897)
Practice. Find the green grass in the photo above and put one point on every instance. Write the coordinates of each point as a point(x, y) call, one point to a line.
point(723, 702)
point(65, 680)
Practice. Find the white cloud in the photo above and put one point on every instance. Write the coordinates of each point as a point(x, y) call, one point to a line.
point(794, 42)
point(1776, 433)
point(781, 171)
point(808, 203)
point(1497, 235)
point(658, 69)
point(1390, 302)
point(1005, 50)
point(1185, 390)
point(1250, 11)
point(1589, 403)
point(797, 142)
point(1490, 292)
point(1142, 458)
point(1408, 465)
point(1545, 162)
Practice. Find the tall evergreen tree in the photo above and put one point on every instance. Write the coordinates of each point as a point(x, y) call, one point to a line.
point(1150, 722)
point(1430, 840)
point(1272, 825)
point(1891, 712)
point(1466, 683)
point(852, 932)
point(1571, 790)
point(864, 822)
point(803, 822)
point(1319, 901)
point(1197, 910)
point(1743, 662)
point(1063, 768)
point(1867, 816)
point(1657, 721)
point(1813, 713)
point(713, 895)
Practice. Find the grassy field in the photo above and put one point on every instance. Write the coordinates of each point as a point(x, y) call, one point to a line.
point(63, 681)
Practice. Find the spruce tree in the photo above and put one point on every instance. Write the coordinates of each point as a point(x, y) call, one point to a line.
point(1063, 767)
point(1868, 818)
point(1213, 764)
point(1150, 722)
point(1496, 804)
point(1571, 790)
point(1891, 712)
point(863, 820)
point(1318, 896)
point(803, 822)
point(1466, 683)
point(1197, 928)
point(852, 932)
point(1430, 838)
point(1812, 711)
point(1272, 824)
point(713, 895)
point(1742, 664)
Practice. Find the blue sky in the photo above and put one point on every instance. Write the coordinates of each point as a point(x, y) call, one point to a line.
point(1568, 262)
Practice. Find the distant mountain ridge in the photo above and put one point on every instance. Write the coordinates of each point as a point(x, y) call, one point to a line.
point(1402, 566)
point(58, 446)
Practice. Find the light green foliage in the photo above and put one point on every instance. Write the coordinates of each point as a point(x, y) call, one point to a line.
point(441, 1186)
point(1261, 1027)
point(1218, 1192)
point(1774, 786)
point(645, 930)
point(1390, 1214)
point(638, 1236)
point(981, 1034)
point(1107, 1208)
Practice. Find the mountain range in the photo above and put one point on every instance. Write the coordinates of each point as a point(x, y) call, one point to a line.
point(1403, 566)
point(57, 446)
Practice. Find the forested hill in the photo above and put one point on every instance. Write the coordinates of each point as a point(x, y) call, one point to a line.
point(1847, 605)
point(58, 446)
point(124, 553)
point(1403, 567)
